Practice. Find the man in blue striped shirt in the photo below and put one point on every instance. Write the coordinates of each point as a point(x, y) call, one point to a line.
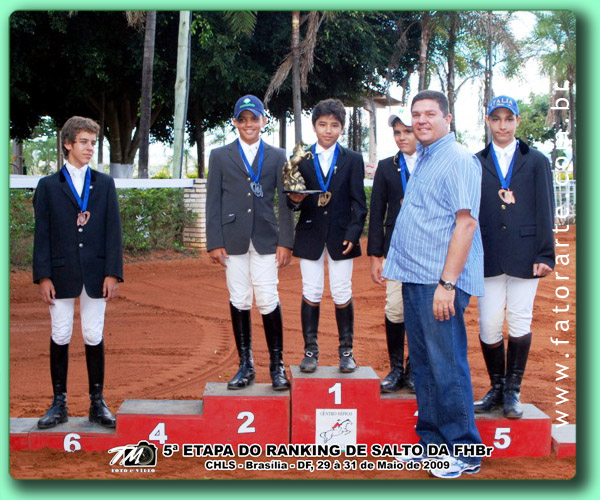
point(436, 252)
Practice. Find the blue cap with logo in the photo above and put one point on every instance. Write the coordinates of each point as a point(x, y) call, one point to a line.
point(503, 101)
point(249, 103)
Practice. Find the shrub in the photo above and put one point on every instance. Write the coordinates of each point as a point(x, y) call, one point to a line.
point(152, 219)
point(21, 227)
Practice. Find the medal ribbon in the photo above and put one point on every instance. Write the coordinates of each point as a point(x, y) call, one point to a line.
point(325, 185)
point(504, 181)
point(261, 150)
point(403, 170)
point(86, 188)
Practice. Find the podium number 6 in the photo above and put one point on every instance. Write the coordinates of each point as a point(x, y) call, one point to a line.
point(337, 393)
point(71, 443)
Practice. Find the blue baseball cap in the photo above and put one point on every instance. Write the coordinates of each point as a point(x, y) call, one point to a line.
point(503, 101)
point(249, 103)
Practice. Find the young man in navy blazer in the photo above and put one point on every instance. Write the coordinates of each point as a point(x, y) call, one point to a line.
point(245, 236)
point(390, 182)
point(77, 252)
point(330, 225)
point(516, 219)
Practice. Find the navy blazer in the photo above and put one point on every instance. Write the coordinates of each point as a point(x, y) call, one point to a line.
point(386, 201)
point(343, 218)
point(73, 256)
point(517, 235)
point(234, 216)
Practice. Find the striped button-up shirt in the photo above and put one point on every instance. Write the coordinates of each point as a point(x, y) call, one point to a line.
point(447, 179)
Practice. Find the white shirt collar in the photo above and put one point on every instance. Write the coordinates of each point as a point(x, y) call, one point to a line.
point(76, 172)
point(508, 150)
point(329, 151)
point(411, 160)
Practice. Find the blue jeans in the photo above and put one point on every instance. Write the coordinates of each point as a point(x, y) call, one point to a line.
point(438, 358)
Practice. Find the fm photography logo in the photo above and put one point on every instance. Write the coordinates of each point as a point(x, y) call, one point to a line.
point(139, 457)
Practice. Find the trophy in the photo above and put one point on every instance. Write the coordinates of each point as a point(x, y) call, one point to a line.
point(293, 182)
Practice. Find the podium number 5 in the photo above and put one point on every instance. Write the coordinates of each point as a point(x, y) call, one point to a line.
point(502, 438)
point(337, 393)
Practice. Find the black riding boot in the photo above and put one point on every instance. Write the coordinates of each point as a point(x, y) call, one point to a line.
point(274, 334)
point(59, 364)
point(516, 359)
point(494, 357)
point(99, 412)
point(242, 332)
point(344, 317)
point(309, 315)
point(409, 383)
point(394, 333)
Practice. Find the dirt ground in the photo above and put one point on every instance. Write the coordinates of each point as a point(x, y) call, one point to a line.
point(168, 334)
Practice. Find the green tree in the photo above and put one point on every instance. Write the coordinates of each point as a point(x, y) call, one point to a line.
point(555, 39)
point(533, 126)
point(86, 63)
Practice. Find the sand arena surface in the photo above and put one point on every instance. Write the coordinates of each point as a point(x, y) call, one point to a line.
point(168, 334)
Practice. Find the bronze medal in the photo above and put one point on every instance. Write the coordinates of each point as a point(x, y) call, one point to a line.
point(324, 198)
point(83, 218)
point(507, 196)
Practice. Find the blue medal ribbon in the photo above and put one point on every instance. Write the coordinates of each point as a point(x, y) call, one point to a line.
point(403, 170)
point(83, 203)
point(504, 181)
point(255, 184)
point(325, 184)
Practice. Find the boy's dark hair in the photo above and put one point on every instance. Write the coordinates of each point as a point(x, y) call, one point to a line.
point(436, 96)
point(73, 126)
point(328, 107)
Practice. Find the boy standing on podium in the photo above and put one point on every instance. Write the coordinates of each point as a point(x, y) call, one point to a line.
point(329, 227)
point(77, 252)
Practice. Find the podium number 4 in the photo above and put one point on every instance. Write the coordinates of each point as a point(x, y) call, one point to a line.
point(336, 389)
point(159, 434)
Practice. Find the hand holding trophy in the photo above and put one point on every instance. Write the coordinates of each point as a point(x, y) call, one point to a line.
point(293, 182)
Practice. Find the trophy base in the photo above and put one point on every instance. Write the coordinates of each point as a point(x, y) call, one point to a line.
point(306, 191)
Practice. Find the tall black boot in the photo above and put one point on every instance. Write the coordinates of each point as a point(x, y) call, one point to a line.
point(344, 317)
point(242, 331)
point(99, 412)
point(394, 333)
point(409, 383)
point(309, 315)
point(494, 357)
point(274, 334)
point(59, 364)
point(516, 359)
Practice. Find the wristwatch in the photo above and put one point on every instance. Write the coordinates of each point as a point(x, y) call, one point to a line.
point(448, 285)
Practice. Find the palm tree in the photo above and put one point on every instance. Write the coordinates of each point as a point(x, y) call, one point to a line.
point(300, 60)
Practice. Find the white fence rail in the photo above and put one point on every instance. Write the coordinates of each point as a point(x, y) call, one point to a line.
point(565, 195)
point(31, 182)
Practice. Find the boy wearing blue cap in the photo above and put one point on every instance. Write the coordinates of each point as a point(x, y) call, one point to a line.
point(516, 219)
point(245, 236)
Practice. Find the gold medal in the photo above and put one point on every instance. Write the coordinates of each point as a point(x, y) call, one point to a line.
point(324, 198)
point(507, 196)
